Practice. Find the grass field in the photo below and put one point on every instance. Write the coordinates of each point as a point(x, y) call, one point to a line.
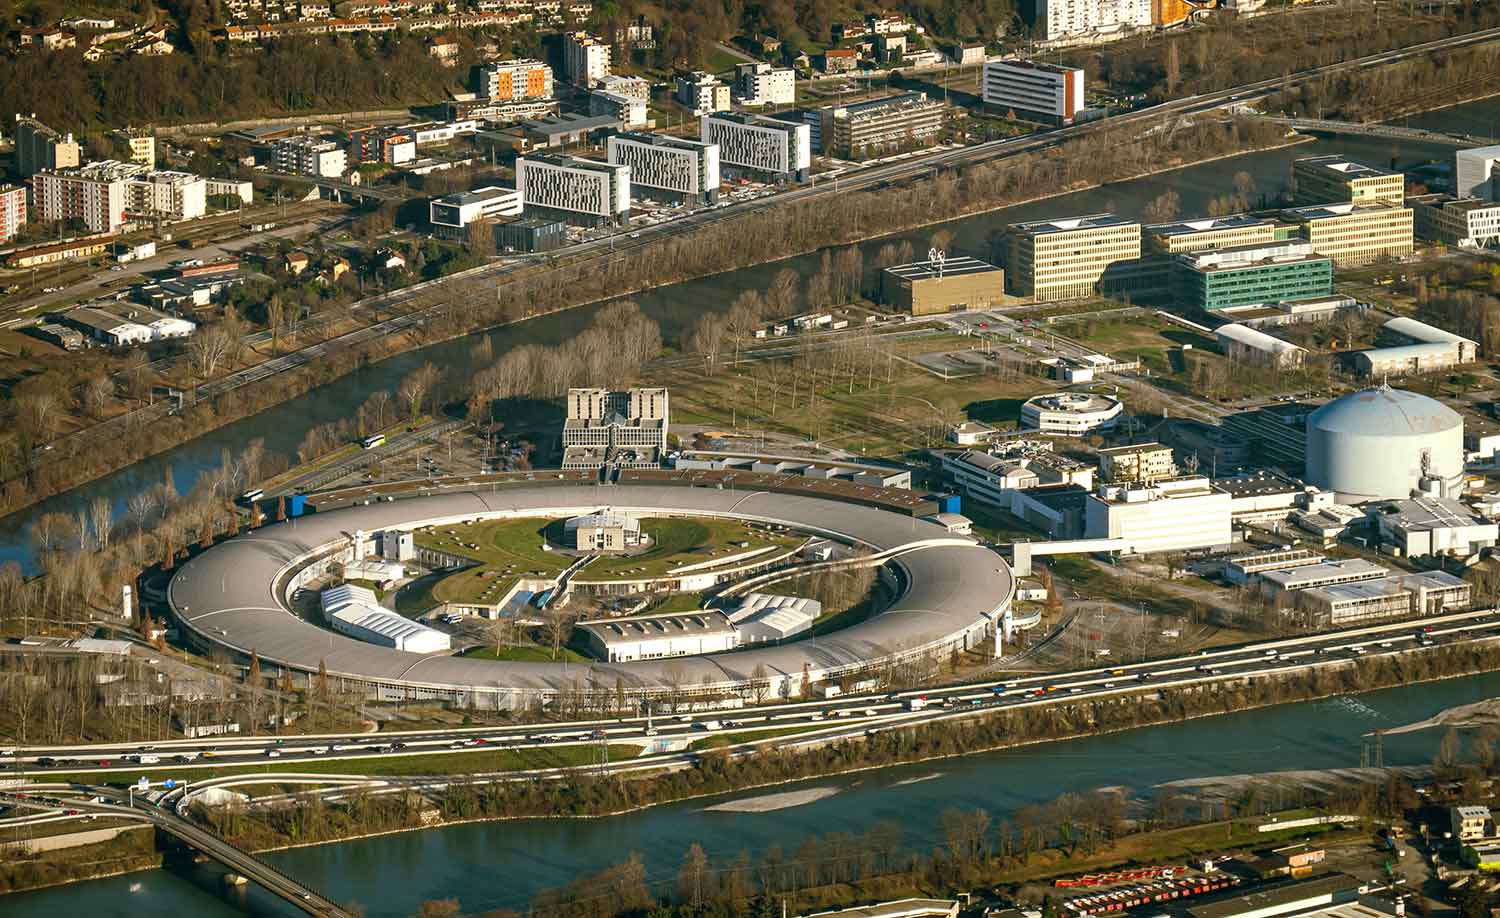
point(721, 740)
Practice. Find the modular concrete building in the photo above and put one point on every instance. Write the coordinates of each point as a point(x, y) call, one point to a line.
point(925, 288)
point(1068, 258)
point(1382, 444)
point(1334, 178)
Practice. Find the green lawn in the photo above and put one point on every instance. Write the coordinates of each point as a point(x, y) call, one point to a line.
point(721, 740)
point(678, 542)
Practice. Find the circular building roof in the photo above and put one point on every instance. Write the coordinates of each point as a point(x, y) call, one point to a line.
point(1385, 412)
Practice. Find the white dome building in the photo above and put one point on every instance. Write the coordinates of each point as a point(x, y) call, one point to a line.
point(1379, 444)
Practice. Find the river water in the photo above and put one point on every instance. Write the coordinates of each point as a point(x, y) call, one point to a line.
point(283, 426)
point(502, 864)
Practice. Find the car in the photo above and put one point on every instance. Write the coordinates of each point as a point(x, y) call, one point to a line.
point(1074, 690)
point(273, 753)
point(46, 761)
point(652, 731)
point(457, 744)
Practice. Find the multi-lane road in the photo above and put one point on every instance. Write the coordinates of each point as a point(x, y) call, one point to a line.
point(817, 721)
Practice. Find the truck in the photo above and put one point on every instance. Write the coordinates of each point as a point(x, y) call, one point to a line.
point(146, 758)
point(914, 704)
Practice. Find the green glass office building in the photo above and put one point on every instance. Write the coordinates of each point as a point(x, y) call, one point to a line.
point(1249, 275)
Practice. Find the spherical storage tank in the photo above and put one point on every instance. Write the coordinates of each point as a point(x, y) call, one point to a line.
point(1378, 444)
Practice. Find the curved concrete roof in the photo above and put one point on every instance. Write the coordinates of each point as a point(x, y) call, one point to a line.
point(1385, 412)
point(226, 594)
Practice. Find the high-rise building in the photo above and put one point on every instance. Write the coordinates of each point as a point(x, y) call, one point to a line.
point(1033, 90)
point(880, 125)
point(759, 83)
point(673, 166)
point(1051, 20)
point(1356, 234)
point(582, 190)
point(514, 80)
point(769, 147)
point(703, 93)
point(12, 211)
point(586, 59)
point(94, 195)
point(1068, 258)
point(1336, 179)
point(41, 149)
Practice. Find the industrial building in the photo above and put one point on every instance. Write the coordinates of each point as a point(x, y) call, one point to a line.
point(354, 610)
point(514, 80)
point(1290, 312)
point(626, 429)
point(1068, 258)
point(1033, 90)
point(1419, 348)
point(579, 190)
point(1071, 414)
point(1243, 569)
point(1469, 223)
point(1333, 178)
point(586, 59)
point(307, 155)
point(1426, 593)
point(1143, 462)
point(879, 126)
point(649, 637)
point(759, 83)
point(1423, 526)
point(763, 617)
point(873, 476)
point(41, 149)
point(12, 211)
point(1279, 581)
point(992, 477)
point(702, 93)
point(1356, 234)
point(767, 147)
point(1215, 448)
point(674, 167)
point(1250, 274)
point(452, 214)
point(1474, 173)
point(1208, 233)
point(603, 531)
point(1382, 444)
point(1240, 342)
point(924, 288)
point(1174, 514)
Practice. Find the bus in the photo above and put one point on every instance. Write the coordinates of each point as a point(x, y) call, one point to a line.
point(252, 495)
point(372, 442)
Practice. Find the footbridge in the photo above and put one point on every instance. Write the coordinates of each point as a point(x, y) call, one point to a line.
point(1023, 552)
point(1376, 130)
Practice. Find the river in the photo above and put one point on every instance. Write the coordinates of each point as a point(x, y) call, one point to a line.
point(502, 864)
point(283, 426)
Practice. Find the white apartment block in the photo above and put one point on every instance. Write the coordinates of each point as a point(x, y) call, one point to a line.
point(95, 194)
point(167, 195)
point(515, 80)
point(1032, 90)
point(1176, 514)
point(236, 188)
point(1474, 173)
point(702, 92)
point(1051, 20)
point(630, 112)
point(452, 214)
point(673, 165)
point(597, 191)
point(309, 156)
point(780, 149)
point(586, 59)
point(629, 86)
point(761, 84)
point(12, 211)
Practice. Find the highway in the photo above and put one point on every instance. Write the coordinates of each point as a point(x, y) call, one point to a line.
point(670, 733)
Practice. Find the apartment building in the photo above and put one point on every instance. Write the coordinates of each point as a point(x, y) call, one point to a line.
point(626, 428)
point(1469, 223)
point(12, 211)
point(1474, 173)
point(1208, 234)
point(879, 126)
point(1247, 275)
point(579, 190)
point(393, 146)
point(41, 149)
point(670, 166)
point(451, 215)
point(166, 195)
point(586, 59)
point(1060, 20)
point(1146, 462)
point(137, 145)
point(629, 112)
point(632, 87)
point(1356, 234)
point(1068, 258)
point(94, 195)
point(309, 156)
point(1033, 90)
point(759, 83)
point(1337, 179)
point(768, 147)
point(702, 93)
point(514, 80)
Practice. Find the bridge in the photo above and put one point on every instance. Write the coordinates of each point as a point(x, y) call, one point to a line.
point(93, 800)
point(1377, 131)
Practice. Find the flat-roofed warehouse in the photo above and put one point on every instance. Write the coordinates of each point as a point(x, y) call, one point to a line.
point(649, 637)
point(925, 288)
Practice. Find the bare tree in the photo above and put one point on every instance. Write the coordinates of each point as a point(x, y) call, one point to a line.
point(97, 392)
point(705, 338)
point(417, 387)
point(209, 349)
point(102, 516)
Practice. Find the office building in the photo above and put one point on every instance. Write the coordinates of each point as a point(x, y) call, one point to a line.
point(650, 637)
point(1033, 90)
point(1250, 274)
point(570, 188)
point(136, 145)
point(1068, 258)
point(530, 235)
point(514, 81)
point(1416, 347)
point(627, 111)
point(1470, 223)
point(1174, 514)
point(880, 126)
point(1474, 173)
point(12, 211)
point(1338, 179)
point(623, 429)
point(671, 166)
point(1356, 234)
point(41, 149)
point(702, 93)
point(125, 324)
point(1143, 462)
point(767, 147)
point(759, 83)
point(603, 531)
point(452, 214)
point(1428, 525)
point(1240, 342)
point(1208, 233)
point(586, 59)
point(306, 155)
point(1061, 20)
point(1071, 414)
point(1426, 593)
point(925, 288)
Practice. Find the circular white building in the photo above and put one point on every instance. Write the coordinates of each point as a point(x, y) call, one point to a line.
point(1071, 414)
point(1379, 444)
